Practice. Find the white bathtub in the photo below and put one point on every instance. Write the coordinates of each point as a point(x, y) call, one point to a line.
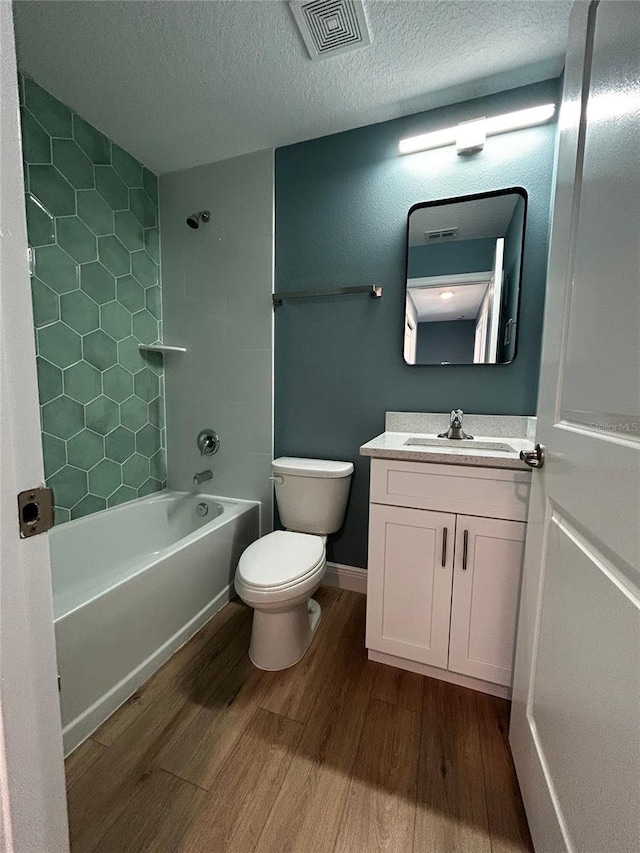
point(130, 586)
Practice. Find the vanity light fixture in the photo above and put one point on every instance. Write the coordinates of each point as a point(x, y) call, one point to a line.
point(446, 294)
point(469, 136)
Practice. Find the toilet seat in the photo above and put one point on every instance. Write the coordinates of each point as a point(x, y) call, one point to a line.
point(281, 560)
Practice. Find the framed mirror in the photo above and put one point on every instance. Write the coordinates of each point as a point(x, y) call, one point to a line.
point(464, 269)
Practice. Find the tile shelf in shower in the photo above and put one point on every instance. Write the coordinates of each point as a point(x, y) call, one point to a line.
point(160, 348)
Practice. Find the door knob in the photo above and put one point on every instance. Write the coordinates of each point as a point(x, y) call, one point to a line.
point(534, 458)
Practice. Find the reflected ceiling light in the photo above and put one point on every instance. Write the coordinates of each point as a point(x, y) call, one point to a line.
point(446, 294)
point(470, 135)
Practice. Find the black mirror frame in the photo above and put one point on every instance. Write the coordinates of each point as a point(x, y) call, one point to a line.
point(521, 191)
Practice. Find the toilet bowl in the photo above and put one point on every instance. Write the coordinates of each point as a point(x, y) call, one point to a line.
point(278, 574)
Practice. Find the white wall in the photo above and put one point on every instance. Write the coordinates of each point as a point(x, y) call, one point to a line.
point(217, 284)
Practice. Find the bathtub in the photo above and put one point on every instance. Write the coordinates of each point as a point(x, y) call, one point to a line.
point(130, 586)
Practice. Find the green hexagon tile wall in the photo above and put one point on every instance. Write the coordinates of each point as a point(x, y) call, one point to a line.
point(92, 221)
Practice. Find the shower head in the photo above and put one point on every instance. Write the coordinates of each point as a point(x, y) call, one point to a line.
point(195, 219)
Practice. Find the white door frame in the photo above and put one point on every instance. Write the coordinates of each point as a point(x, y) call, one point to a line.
point(33, 815)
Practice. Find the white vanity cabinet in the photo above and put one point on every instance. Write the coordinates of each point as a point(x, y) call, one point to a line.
point(486, 592)
point(446, 545)
point(410, 561)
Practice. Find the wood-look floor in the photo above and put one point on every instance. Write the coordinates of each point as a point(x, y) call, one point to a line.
point(335, 754)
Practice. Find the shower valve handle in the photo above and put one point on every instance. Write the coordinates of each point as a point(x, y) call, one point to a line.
point(208, 442)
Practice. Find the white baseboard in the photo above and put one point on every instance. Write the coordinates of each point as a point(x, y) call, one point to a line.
point(346, 577)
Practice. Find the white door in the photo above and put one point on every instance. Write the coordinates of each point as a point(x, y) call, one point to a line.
point(575, 727)
point(495, 288)
point(410, 339)
point(482, 328)
point(409, 583)
point(32, 797)
point(485, 348)
point(486, 589)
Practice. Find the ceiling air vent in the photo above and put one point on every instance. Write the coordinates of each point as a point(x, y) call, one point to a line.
point(330, 27)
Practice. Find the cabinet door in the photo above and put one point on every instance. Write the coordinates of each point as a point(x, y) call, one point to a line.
point(409, 583)
point(486, 589)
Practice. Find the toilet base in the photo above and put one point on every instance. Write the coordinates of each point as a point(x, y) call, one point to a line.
point(280, 639)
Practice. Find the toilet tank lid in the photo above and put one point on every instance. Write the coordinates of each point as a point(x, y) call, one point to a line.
point(300, 467)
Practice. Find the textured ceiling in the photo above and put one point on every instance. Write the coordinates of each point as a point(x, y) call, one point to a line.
point(180, 83)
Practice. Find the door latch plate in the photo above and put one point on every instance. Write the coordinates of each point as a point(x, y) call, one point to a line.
point(35, 511)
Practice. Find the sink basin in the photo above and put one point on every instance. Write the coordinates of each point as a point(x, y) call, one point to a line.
point(465, 444)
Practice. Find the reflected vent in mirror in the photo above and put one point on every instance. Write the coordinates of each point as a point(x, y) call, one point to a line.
point(330, 27)
point(440, 234)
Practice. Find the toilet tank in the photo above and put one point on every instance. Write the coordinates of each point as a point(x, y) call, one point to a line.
point(311, 493)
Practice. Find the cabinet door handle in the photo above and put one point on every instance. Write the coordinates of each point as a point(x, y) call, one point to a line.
point(445, 534)
point(465, 547)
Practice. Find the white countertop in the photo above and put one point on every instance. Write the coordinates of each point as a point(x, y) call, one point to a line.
point(393, 443)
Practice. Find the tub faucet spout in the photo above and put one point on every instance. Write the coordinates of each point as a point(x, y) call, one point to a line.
point(202, 477)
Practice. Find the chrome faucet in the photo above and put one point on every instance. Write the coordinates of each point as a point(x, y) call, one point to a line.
point(202, 477)
point(455, 430)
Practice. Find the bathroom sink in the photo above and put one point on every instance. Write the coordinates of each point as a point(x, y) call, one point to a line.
point(470, 444)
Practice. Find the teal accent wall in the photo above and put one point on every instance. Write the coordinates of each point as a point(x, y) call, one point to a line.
point(449, 258)
point(92, 222)
point(341, 219)
point(453, 341)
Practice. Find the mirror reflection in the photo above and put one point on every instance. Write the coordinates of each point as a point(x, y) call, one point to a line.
point(464, 260)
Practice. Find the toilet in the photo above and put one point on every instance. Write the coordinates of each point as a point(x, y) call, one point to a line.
point(278, 574)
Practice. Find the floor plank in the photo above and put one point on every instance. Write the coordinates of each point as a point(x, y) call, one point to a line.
point(104, 790)
point(507, 820)
point(306, 815)
point(293, 691)
point(451, 811)
point(398, 687)
point(81, 759)
point(237, 807)
point(159, 809)
point(186, 658)
point(381, 801)
point(198, 750)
